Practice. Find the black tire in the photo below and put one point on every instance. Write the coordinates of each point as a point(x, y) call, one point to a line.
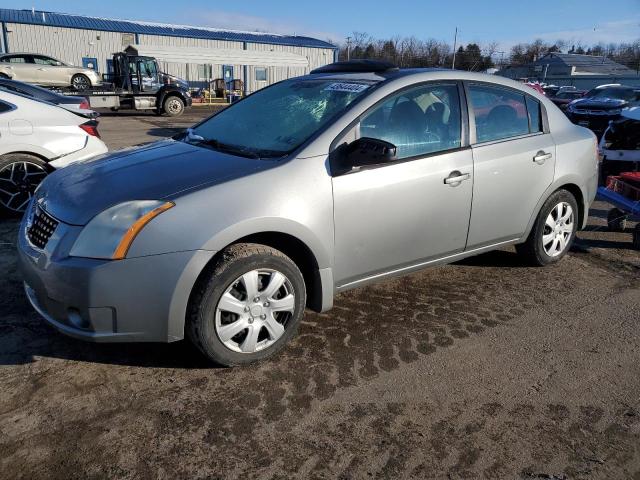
point(80, 82)
point(173, 106)
point(13, 166)
point(532, 250)
point(234, 262)
point(636, 237)
point(616, 220)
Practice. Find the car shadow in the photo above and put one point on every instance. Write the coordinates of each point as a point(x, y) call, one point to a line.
point(23, 344)
point(584, 244)
point(495, 258)
point(164, 131)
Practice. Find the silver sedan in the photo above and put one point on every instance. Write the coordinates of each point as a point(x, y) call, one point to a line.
point(355, 173)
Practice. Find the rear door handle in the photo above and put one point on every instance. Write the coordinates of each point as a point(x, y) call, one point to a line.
point(455, 178)
point(541, 157)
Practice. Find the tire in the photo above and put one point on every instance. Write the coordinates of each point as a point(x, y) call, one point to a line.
point(636, 237)
point(18, 188)
point(550, 239)
point(173, 106)
point(5, 76)
point(616, 220)
point(80, 82)
point(222, 335)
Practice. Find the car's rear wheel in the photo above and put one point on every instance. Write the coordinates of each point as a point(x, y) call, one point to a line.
point(173, 106)
point(553, 232)
point(20, 174)
point(80, 82)
point(248, 306)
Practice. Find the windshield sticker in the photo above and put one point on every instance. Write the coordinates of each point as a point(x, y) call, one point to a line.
point(346, 87)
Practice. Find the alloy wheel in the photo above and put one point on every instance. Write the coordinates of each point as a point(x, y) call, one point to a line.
point(253, 312)
point(18, 182)
point(558, 229)
point(80, 83)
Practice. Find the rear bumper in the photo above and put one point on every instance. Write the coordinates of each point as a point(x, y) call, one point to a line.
point(140, 299)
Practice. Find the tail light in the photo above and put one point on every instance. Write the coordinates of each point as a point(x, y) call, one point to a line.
point(91, 128)
point(85, 105)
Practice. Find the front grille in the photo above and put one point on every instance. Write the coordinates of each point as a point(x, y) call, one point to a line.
point(42, 227)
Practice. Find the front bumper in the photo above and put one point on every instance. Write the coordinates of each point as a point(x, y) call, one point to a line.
point(141, 299)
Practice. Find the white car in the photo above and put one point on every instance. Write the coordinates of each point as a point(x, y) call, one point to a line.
point(36, 138)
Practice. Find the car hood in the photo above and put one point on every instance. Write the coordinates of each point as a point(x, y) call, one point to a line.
point(599, 104)
point(161, 170)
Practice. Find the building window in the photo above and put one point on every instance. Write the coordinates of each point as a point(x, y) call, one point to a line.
point(204, 72)
point(261, 74)
point(128, 39)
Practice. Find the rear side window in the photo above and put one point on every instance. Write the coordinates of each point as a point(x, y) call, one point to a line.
point(17, 60)
point(535, 115)
point(5, 107)
point(499, 113)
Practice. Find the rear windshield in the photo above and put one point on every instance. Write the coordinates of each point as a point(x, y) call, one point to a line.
point(276, 120)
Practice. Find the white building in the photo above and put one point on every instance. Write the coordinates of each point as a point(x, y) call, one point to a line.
point(258, 59)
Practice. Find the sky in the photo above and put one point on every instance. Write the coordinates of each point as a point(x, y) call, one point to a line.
point(583, 22)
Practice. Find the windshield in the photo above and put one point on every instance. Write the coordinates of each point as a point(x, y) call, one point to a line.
point(276, 120)
point(616, 93)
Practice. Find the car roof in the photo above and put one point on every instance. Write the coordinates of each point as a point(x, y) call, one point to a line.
point(39, 91)
point(420, 74)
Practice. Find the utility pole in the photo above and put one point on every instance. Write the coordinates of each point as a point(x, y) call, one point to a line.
point(348, 48)
point(455, 45)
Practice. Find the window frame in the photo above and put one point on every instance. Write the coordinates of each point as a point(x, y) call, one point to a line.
point(473, 140)
point(255, 74)
point(354, 125)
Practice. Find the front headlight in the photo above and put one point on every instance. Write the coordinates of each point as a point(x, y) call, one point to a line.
point(615, 111)
point(110, 234)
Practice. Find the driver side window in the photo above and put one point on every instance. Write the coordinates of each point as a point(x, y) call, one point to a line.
point(418, 121)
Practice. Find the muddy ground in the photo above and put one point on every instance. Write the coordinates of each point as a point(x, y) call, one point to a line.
point(481, 369)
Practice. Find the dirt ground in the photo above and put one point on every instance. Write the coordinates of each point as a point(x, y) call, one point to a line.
point(481, 369)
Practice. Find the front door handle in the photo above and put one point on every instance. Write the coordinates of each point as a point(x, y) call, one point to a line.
point(541, 157)
point(455, 178)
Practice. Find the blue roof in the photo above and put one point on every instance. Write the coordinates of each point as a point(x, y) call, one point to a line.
point(65, 20)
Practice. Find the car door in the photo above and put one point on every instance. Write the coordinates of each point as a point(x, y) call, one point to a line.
point(21, 67)
point(50, 71)
point(514, 162)
point(396, 216)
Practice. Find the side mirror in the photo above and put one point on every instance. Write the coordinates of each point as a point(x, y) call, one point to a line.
point(370, 151)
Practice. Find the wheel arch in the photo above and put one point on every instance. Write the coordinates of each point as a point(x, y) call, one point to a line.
point(571, 184)
point(293, 247)
point(37, 155)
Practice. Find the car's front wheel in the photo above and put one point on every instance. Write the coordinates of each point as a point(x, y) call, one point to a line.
point(173, 106)
point(553, 232)
point(248, 306)
point(20, 175)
